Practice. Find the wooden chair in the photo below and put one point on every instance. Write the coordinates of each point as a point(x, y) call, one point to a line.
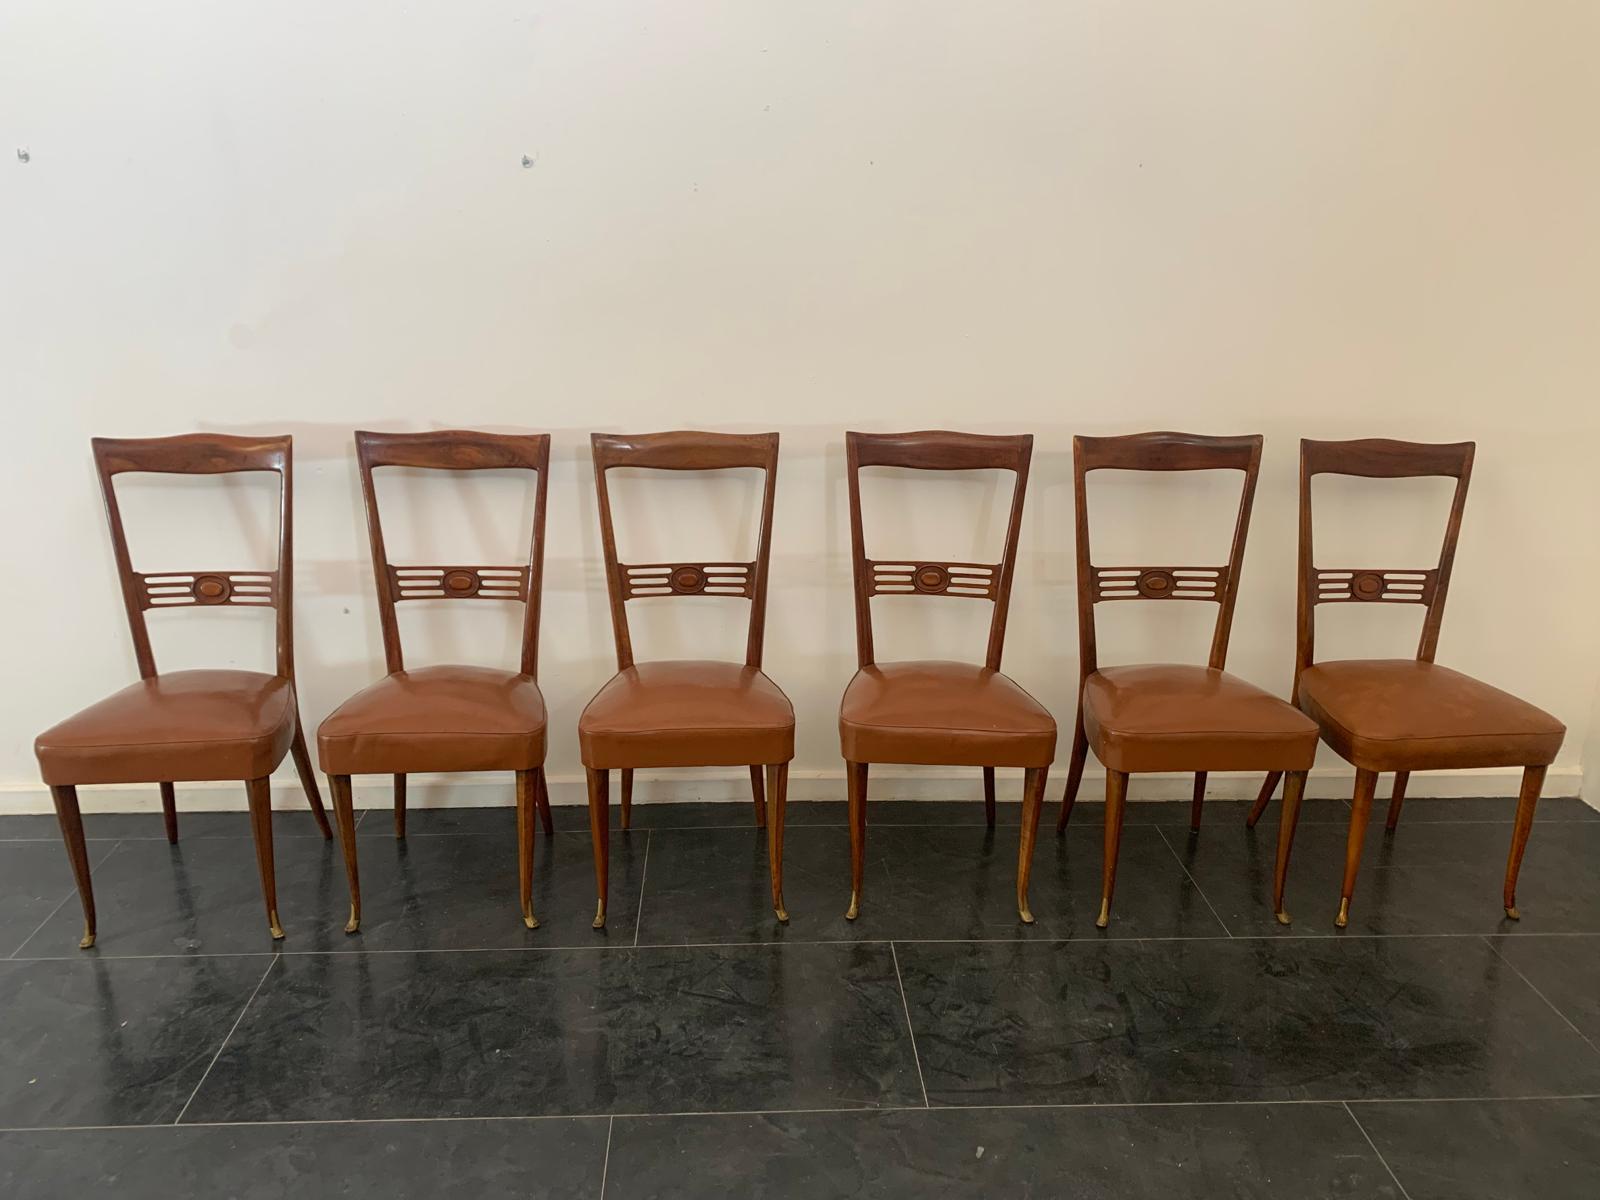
point(182, 726)
point(1166, 716)
point(448, 717)
point(933, 711)
point(696, 713)
point(1402, 715)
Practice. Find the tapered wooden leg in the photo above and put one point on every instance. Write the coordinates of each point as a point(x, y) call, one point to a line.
point(169, 811)
point(1532, 784)
point(543, 798)
point(758, 793)
point(399, 806)
point(856, 782)
point(1360, 810)
point(1080, 754)
point(1396, 799)
point(627, 797)
point(527, 818)
point(777, 796)
point(1033, 784)
point(988, 796)
point(344, 812)
point(308, 777)
point(1294, 790)
point(1116, 805)
point(600, 834)
point(1198, 800)
point(260, 793)
point(1263, 798)
point(71, 821)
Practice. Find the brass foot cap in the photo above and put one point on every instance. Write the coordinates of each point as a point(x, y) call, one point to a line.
point(854, 910)
point(531, 921)
point(1343, 918)
point(1283, 918)
point(1027, 917)
point(352, 926)
point(600, 916)
point(1514, 913)
point(87, 942)
point(782, 914)
point(277, 931)
point(1104, 918)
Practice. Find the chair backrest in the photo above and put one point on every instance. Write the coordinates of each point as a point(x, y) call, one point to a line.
point(686, 450)
point(202, 454)
point(457, 450)
point(1378, 458)
point(936, 450)
point(1161, 452)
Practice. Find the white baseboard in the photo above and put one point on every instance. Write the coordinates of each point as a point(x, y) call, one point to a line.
point(655, 787)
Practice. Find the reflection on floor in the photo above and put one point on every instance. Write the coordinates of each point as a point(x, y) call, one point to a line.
point(696, 1048)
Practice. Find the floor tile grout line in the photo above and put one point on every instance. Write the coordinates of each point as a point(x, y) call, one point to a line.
point(1495, 950)
point(1305, 821)
point(71, 892)
point(644, 874)
point(605, 1163)
point(1184, 867)
point(905, 1005)
point(1454, 822)
point(232, 1029)
point(1404, 1195)
point(857, 1111)
point(1080, 940)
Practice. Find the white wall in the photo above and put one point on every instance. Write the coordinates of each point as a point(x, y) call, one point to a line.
point(1327, 220)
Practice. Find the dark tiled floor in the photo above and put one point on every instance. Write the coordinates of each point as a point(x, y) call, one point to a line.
point(697, 1047)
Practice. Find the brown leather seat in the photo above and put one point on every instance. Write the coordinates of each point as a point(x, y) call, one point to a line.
point(687, 713)
point(443, 718)
point(943, 713)
point(1173, 717)
point(1386, 714)
point(181, 726)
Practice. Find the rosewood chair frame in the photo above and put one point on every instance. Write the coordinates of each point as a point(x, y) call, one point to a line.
point(1381, 458)
point(938, 450)
point(1163, 451)
point(454, 450)
point(201, 454)
point(687, 450)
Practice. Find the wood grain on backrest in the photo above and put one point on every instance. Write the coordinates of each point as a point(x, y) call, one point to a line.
point(201, 454)
point(1162, 451)
point(686, 450)
point(1378, 458)
point(936, 450)
point(457, 450)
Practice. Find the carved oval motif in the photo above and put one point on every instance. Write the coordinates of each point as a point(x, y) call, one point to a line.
point(1367, 586)
point(688, 580)
point(931, 577)
point(211, 589)
point(1156, 585)
point(461, 583)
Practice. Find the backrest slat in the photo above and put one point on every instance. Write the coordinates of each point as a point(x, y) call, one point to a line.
point(936, 450)
point(201, 454)
point(1378, 458)
point(1163, 451)
point(686, 450)
point(456, 450)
